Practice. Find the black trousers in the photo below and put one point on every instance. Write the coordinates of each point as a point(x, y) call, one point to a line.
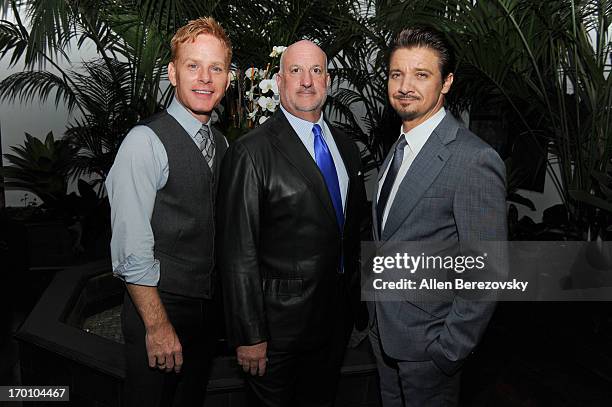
point(305, 378)
point(193, 321)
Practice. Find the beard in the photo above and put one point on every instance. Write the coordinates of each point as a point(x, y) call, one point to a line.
point(406, 113)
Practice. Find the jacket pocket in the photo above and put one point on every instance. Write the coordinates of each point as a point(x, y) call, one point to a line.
point(283, 287)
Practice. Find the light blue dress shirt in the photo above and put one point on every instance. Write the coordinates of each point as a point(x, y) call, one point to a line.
point(139, 171)
point(303, 128)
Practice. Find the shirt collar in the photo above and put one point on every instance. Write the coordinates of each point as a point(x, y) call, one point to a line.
point(418, 136)
point(303, 127)
point(184, 118)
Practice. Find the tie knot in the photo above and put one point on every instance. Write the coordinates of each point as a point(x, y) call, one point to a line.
point(401, 144)
point(316, 129)
point(204, 130)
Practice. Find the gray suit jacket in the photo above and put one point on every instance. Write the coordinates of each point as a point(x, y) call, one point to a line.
point(454, 192)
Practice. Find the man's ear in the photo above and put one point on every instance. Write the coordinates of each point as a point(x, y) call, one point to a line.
point(279, 79)
point(447, 83)
point(172, 73)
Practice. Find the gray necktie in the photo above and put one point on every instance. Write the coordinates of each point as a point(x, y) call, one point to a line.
point(207, 144)
point(396, 163)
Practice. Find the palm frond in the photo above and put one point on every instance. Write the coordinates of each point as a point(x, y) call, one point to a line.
point(37, 85)
point(13, 40)
point(52, 25)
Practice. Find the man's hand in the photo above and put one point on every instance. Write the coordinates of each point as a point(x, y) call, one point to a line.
point(164, 348)
point(253, 358)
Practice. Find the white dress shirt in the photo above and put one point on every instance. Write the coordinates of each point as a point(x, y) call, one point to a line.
point(303, 128)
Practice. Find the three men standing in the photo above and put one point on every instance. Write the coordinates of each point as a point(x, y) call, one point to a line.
point(287, 231)
point(289, 200)
point(440, 183)
point(162, 190)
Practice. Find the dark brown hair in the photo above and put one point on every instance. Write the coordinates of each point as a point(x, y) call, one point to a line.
point(427, 37)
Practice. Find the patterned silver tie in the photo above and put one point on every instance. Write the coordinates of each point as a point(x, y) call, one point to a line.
point(207, 144)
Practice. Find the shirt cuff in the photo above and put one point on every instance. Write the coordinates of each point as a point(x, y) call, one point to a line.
point(138, 270)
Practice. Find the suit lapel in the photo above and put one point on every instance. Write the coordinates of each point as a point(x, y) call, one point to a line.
point(291, 147)
point(422, 173)
point(344, 147)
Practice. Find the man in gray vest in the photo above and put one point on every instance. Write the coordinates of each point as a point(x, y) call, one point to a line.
point(162, 190)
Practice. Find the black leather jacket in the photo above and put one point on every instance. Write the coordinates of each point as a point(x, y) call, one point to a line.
point(279, 244)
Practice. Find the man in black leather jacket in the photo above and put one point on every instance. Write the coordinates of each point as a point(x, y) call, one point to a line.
point(289, 204)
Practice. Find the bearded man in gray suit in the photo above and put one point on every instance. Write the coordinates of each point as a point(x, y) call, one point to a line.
point(440, 183)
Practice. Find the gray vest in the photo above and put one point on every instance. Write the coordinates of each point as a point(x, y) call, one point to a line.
point(183, 216)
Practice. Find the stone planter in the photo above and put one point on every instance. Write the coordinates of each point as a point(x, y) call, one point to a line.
point(56, 350)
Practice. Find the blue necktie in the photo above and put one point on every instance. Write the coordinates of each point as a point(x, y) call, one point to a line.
point(328, 169)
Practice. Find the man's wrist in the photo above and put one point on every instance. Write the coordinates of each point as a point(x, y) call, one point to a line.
point(155, 325)
point(149, 305)
point(157, 320)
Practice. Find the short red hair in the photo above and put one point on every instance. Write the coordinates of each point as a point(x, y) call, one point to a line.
point(199, 26)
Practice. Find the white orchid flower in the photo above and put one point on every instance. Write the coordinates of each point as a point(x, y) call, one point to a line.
point(277, 50)
point(262, 101)
point(273, 107)
point(267, 85)
point(251, 73)
point(266, 103)
point(274, 84)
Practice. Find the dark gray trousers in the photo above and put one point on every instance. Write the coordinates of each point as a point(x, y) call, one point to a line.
point(412, 383)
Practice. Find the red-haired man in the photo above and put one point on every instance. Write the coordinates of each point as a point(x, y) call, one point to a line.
point(162, 193)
